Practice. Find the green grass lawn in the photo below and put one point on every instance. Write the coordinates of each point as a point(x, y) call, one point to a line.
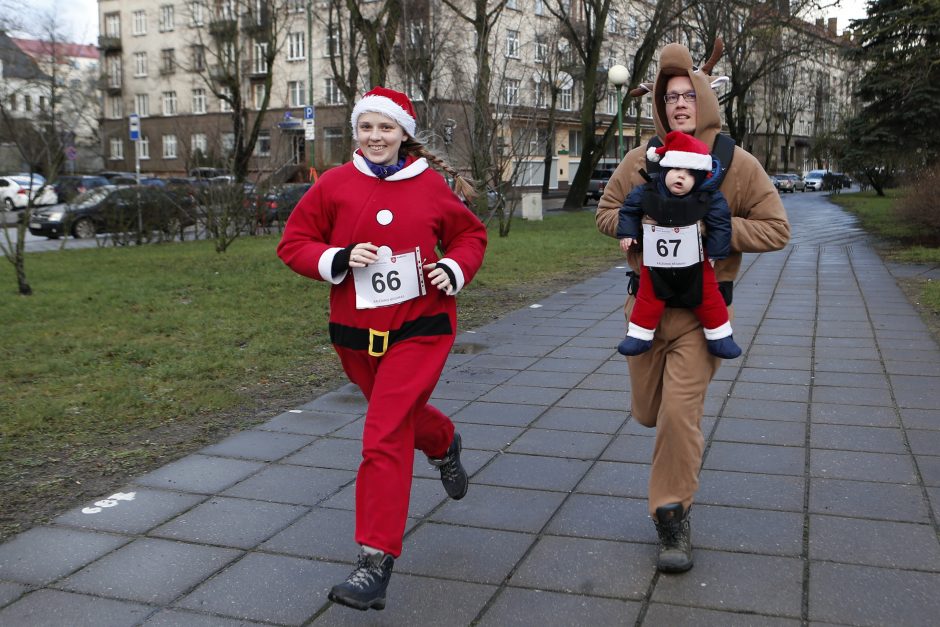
point(874, 213)
point(124, 358)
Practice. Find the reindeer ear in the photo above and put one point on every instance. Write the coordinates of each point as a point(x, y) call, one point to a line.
point(721, 80)
point(713, 59)
point(641, 90)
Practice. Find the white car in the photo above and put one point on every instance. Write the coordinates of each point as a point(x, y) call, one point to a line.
point(16, 191)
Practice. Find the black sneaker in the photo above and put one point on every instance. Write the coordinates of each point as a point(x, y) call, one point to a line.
point(675, 539)
point(453, 476)
point(365, 586)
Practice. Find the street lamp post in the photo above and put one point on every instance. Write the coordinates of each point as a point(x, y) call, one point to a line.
point(618, 75)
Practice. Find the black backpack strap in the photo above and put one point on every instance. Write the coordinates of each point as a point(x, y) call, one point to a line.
point(723, 150)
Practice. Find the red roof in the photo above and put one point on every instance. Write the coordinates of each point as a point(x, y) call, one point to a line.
point(36, 48)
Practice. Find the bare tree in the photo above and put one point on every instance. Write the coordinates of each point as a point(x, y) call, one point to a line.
point(378, 30)
point(234, 55)
point(478, 115)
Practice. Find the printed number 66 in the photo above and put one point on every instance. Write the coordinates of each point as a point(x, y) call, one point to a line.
point(391, 280)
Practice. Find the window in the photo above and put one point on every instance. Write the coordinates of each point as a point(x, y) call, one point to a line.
point(199, 143)
point(139, 23)
point(296, 48)
point(612, 102)
point(540, 100)
point(263, 145)
point(116, 108)
point(631, 27)
point(117, 148)
point(295, 94)
point(167, 61)
point(259, 61)
point(296, 6)
point(27, 103)
point(12, 102)
point(199, 58)
point(413, 87)
point(227, 141)
point(169, 103)
point(197, 11)
point(564, 99)
point(227, 9)
point(574, 143)
point(612, 22)
point(333, 146)
point(112, 25)
point(199, 101)
point(333, 96)
point(225, 99)
point(512, 92)
point(539, 7)
point(169, 147)
point(142, 105)
point(257, 95)
point(166, 18)
point(143, 148)
point(541, 50)
point(512, 44)
point(512, 4)
point(113, 65)
point(331, 45)
point(140, 64)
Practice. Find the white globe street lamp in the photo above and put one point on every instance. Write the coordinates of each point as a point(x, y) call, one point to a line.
point(618, 75)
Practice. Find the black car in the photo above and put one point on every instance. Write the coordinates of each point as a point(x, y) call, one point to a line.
point(69, 186)
point(118, 210)
point(278, 203)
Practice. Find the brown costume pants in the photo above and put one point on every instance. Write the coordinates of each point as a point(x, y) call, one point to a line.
point(668, 385)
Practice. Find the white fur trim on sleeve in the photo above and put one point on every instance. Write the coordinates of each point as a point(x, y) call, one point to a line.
point(718, 332)
point(458, 275)
point(325, 267)
point(640, 333)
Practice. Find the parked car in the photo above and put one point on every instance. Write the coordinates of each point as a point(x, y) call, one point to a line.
point(69, 186)
point(598, 182)
point(16, 191)
point(114, 209)
point(799, 185)
point(842, 180)
point(783, 183)
point(111, 174)
point(814, 180)
point(279, 202)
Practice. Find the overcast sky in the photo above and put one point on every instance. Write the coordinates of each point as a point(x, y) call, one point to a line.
point(79, 18)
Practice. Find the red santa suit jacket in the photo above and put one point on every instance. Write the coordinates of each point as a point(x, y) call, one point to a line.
point(413, 207)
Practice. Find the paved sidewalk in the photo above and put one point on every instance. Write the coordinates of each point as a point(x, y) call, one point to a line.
point(820, 487)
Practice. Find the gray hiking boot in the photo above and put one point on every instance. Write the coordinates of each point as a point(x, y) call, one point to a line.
point(675, 539)
point(453, 476)
point(365, 587)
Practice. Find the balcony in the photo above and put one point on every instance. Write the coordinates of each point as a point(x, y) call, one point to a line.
point(223, 29)
point(108, 43)
point(110, 83)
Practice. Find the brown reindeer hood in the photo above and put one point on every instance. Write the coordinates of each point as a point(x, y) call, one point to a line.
point(675, 60)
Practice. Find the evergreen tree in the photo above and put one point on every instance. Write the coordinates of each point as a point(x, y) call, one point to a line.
point(898, 121)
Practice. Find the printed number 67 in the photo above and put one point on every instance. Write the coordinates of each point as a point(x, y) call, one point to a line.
point(663, 250)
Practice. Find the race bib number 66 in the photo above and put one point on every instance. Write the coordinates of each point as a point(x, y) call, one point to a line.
point(671, 246)
point(394, 278)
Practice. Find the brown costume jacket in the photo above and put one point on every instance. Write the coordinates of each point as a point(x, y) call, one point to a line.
point(758, 220)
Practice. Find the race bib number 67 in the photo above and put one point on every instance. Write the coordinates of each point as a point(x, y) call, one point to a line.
point(671, 246)
point(394, 278)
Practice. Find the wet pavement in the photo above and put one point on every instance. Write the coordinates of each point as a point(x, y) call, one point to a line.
point(819, 494)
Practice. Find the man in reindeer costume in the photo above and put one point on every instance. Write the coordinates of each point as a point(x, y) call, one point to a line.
point(669, 381)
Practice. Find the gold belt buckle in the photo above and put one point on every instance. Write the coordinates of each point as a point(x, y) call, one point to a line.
point(374, 334)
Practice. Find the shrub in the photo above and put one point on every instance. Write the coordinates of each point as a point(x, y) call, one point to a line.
point(919, 208)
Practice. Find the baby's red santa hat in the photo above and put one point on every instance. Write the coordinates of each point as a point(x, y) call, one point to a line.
point(390, 103)
point(681, 150)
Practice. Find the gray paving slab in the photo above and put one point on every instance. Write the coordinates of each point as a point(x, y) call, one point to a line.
point(823, 438)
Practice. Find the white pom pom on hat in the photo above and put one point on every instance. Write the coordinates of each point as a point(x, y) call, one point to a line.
point(390, 103)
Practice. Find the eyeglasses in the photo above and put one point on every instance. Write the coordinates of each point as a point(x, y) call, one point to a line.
point(672, 97)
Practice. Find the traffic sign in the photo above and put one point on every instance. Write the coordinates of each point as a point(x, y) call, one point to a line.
point(134, 121)
point(309, 129)
point(308, 113)
point(71, 153)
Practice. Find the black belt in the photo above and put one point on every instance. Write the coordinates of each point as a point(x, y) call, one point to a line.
point(377, 342)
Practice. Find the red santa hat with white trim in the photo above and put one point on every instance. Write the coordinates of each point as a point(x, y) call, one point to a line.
point(681, 150)
point(390, 103)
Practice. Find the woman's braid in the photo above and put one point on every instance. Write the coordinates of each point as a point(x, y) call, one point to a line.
point(464, 186)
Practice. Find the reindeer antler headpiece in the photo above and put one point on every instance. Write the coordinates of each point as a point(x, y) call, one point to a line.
point(707, 67)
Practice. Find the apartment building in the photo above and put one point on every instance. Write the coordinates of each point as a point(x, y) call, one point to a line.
point(167, 61)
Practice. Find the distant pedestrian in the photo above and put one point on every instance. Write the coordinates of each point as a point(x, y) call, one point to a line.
point(669, 381)
point(675, 267)
point(372, 228)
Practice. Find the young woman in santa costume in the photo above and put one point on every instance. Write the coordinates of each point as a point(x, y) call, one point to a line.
point(373, 228)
